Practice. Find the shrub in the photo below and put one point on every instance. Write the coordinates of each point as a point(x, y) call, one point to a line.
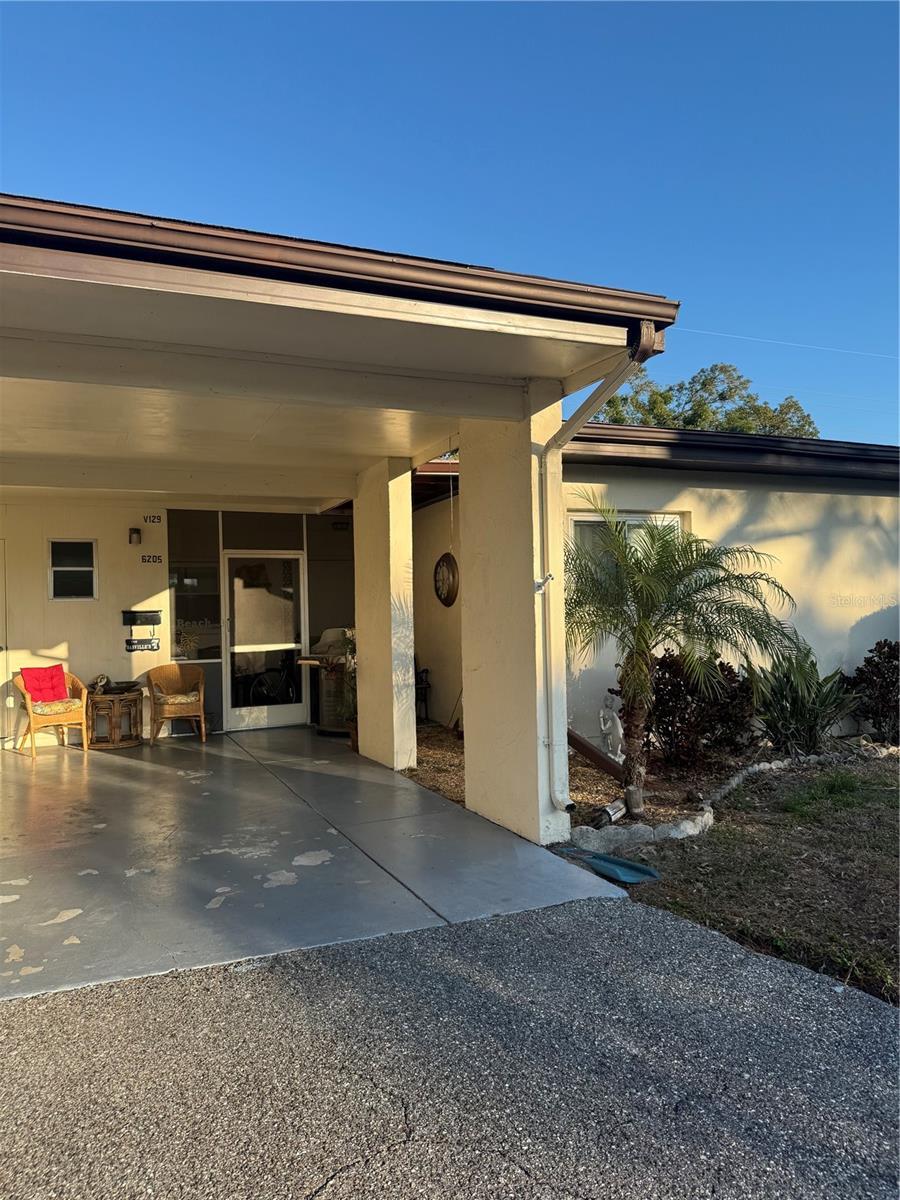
point(797, 707)
point(877, 685)
point(686, 722)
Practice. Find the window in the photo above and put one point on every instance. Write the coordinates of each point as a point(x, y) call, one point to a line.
point(73, 570)
point(583, 524)
point(194, 584)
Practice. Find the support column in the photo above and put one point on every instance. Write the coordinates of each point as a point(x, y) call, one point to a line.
point(382, 550)
point(508, 752)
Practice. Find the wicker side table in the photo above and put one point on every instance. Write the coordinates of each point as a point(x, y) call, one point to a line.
point(122, 715)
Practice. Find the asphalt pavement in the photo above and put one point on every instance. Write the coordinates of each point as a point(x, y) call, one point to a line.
point(595, 1049)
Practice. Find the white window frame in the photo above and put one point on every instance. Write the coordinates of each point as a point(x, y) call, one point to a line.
point(51, 570)
point(628, 518)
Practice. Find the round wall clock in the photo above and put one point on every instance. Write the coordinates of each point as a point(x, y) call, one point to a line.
point(446, 579)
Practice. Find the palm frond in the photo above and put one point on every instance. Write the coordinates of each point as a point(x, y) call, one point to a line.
point(660, 586)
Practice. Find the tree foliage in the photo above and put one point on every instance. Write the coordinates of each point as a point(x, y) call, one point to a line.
point(716, 398)
point(877, 684)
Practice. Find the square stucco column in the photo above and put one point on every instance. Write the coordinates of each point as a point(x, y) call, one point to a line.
point(508, 750)
point(382, 549)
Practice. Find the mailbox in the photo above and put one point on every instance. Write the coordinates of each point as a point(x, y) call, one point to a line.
point(141, 616)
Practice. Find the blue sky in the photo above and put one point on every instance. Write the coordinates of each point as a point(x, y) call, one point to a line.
point(739, 157)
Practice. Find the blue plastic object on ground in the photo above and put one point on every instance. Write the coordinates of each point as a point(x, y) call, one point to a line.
point(619, 870)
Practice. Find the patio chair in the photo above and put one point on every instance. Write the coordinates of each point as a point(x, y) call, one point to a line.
point(176, 694)
point(59, 713)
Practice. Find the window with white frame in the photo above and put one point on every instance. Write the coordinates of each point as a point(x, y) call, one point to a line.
point(584, 524)
point(73, 570)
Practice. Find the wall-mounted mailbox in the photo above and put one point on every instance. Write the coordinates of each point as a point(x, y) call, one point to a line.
point(141, 616)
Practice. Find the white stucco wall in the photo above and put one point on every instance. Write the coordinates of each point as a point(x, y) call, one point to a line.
point(86, 636)
point(437, 628)
point(836, 546)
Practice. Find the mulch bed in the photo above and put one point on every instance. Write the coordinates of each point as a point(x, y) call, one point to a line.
point(441, 769)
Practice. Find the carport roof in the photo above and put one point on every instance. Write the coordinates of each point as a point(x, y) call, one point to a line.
point(85, 229)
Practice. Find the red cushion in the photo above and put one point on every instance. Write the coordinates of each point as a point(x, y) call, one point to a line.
point(45, 683)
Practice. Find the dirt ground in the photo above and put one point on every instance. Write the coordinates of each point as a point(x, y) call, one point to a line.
point(800, 864)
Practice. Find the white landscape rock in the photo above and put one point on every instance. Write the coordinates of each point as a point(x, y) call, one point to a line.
point(613, 838)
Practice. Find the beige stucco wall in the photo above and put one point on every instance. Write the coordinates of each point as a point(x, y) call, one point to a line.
point(382, 540)
point(437, 628)
point(836, 546)
point(86, 636)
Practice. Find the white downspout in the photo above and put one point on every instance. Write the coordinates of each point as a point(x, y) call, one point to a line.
point(557, 755)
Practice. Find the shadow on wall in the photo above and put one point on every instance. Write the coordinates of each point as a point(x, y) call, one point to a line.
point(870, 629)
point(403, 674)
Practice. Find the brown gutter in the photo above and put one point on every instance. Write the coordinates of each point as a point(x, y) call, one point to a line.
point(87, 230)
point(695, 450)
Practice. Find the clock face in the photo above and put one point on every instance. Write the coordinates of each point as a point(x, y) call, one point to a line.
point(446, 579)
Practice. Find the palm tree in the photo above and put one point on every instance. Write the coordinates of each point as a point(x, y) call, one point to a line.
point(656, 586)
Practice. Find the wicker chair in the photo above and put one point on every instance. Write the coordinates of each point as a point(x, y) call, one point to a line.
point(176, 694)
point(55, 714)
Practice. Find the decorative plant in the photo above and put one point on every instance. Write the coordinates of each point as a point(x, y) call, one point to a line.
point(877, 684)
point(797, 707)
point(659, 586)
point(349, 712)
point(687, 721)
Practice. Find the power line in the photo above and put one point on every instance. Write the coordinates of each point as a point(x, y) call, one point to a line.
point(774, 342)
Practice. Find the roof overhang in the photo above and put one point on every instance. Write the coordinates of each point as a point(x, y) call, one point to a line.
point(622, 446)
point(87, 230)
point(696, 450)
point(138, 348)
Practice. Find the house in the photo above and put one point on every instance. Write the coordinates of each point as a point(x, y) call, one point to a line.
point(827, 511)
point(188, 411)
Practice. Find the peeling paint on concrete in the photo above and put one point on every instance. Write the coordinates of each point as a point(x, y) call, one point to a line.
point(72, 941)
point(131, 871)
point(89, 871)
point(281, 879)
point(30, 970)
point(15, 882)
point(331, 831)
point(9, 899)
point(260, 850)
point(64, 914)
point(14, 953)
point(312, 858)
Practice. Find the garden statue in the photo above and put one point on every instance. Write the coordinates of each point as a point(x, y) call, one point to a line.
point(611, 731)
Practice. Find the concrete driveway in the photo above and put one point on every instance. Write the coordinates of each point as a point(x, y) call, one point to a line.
point(593, 1050)
point(115, 865)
